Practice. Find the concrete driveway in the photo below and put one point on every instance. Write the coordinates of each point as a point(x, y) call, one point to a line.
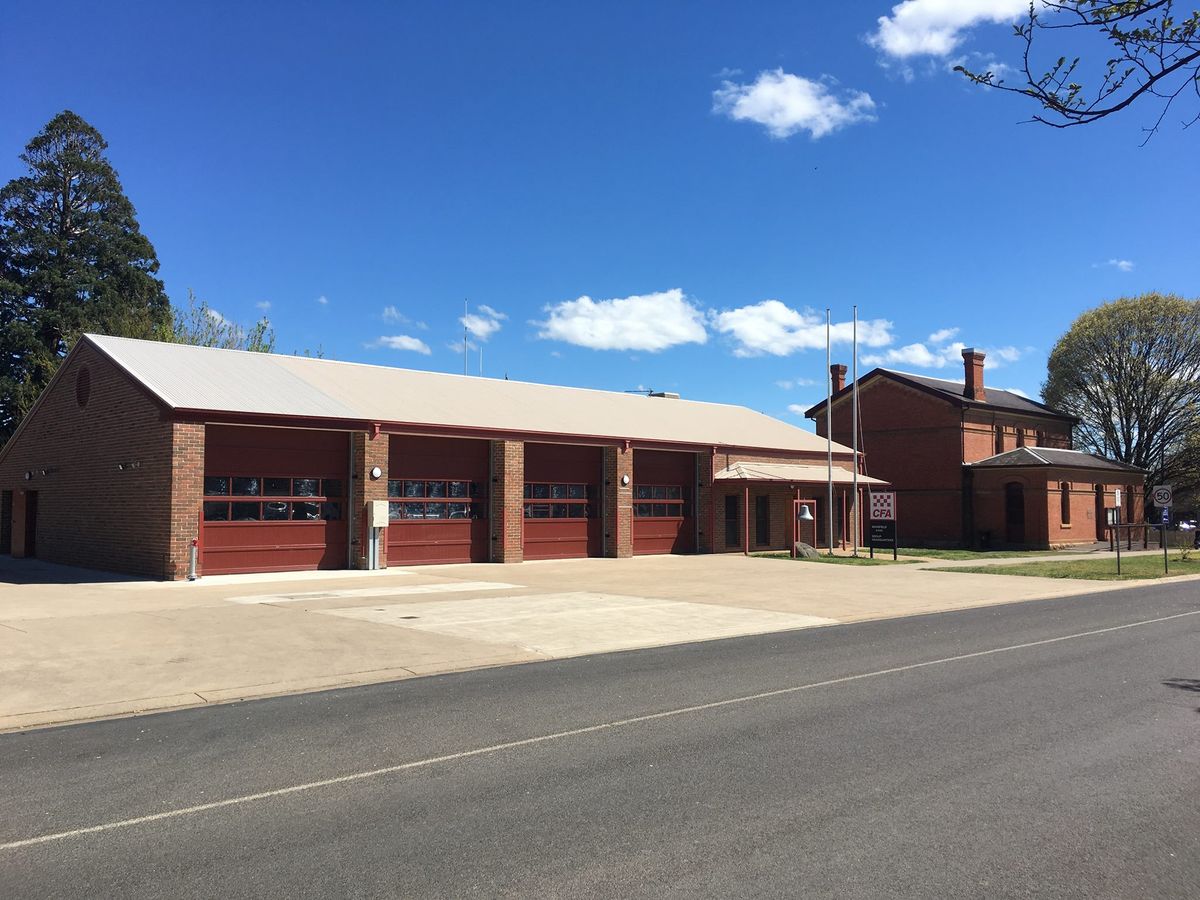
point(77, 645)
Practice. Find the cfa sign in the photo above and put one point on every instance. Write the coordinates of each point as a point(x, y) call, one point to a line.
point(883, 506)
point(1163, 495)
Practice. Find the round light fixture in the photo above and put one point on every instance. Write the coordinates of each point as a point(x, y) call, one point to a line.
point(376, 472)
point(625, 479)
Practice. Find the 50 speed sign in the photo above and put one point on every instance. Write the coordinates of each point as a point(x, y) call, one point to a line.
point(883, 506)
point(1162, 495)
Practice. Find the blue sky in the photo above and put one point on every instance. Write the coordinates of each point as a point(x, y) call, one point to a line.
point(629, 195)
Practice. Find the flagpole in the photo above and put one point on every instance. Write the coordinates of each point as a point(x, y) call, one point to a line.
point(829, 422)
point(854, 405)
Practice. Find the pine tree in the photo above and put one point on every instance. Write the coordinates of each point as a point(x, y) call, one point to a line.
point(72, 259)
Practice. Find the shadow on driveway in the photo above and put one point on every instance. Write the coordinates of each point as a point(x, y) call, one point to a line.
point(35, 571)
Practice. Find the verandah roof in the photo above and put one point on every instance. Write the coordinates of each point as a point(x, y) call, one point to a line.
point(791, 473)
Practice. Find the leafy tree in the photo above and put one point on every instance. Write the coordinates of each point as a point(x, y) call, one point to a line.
point(203, 326)
point(1154, 52)
point(72, 259)
point(1130, 371)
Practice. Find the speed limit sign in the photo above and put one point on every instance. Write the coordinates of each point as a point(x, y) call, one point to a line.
point(1162, 495)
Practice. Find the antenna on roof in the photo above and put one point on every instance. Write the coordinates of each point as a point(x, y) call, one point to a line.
point(464, 335)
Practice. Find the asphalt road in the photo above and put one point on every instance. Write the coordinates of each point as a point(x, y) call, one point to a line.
point(1043, 749)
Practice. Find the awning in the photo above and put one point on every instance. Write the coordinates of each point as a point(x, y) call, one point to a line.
point(791, 473)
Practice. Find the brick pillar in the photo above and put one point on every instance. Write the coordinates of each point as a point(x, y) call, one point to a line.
point(366, 453)
point(704, 504)
point(507, 501)
point(187, 488)
point(618, 503)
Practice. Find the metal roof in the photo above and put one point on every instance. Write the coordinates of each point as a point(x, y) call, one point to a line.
point(211, 381)
point(951, 390)
point(1054, 456)
point(790, 472)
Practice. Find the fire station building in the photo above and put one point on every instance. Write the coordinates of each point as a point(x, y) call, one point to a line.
point(138, 450)
point(979, 467)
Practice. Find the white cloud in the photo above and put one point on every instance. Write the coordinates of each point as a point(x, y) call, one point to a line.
point(264, 305)
point(323, 300)
point(1017, 391)
point(922, 356)
point(650, 322)
point(785, 104)
point(937, 27)
point(403, 342)
point(797, 409)
point(1121, 265)
point(1004, 354)
point(772, 327)
point(216, 316)
point(788, 383)
point(942, 335)
point(391, 314)
point(483, 323)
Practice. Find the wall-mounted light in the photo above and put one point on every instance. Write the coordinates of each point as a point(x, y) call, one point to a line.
point(625, 479)
point(376, 472)
point(29, 476)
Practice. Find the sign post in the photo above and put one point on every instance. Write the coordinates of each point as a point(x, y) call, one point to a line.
point(1163, 495)
point(1114, 519)
point(883, 522)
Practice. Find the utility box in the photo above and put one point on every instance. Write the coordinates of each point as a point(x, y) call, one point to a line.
point(378, 514)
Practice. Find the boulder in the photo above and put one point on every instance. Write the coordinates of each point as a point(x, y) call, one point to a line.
point(806, 551)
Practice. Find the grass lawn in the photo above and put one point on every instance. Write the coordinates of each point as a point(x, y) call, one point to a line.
point(971, 554)
point(841, 560)
point(1132, 568)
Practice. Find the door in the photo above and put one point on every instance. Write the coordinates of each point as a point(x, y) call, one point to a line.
point(762, 520)
point(24, 524)
point(733, 537)
point(1101, 515)
point(562, 504)
point(273, 500)
point(437, 500)
point(663, 517)
point(1014, 513)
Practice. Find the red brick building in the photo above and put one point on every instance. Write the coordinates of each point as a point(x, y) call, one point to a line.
point(977, 466)
point(138, 449)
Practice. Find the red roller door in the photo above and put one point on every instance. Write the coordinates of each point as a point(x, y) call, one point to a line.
point(437, 500)
point(274, 500)
point(562, 501)
point(662, 502)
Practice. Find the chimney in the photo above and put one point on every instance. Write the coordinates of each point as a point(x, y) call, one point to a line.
point(838, 372)
point(973, 372)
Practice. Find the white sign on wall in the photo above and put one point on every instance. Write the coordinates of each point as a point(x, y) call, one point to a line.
point(883, 506)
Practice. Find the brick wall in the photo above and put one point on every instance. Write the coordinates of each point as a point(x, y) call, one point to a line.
point(187, 486)
point(367, 452)
point(1043, 495)
point(618, 503)
point(507, 498)
point(705, 528)
point(918, 443)
point(105, 500)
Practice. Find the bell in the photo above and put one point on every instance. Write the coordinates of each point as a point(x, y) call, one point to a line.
point(805, 514)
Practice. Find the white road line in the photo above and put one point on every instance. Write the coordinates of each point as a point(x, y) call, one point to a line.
point(560, 735)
